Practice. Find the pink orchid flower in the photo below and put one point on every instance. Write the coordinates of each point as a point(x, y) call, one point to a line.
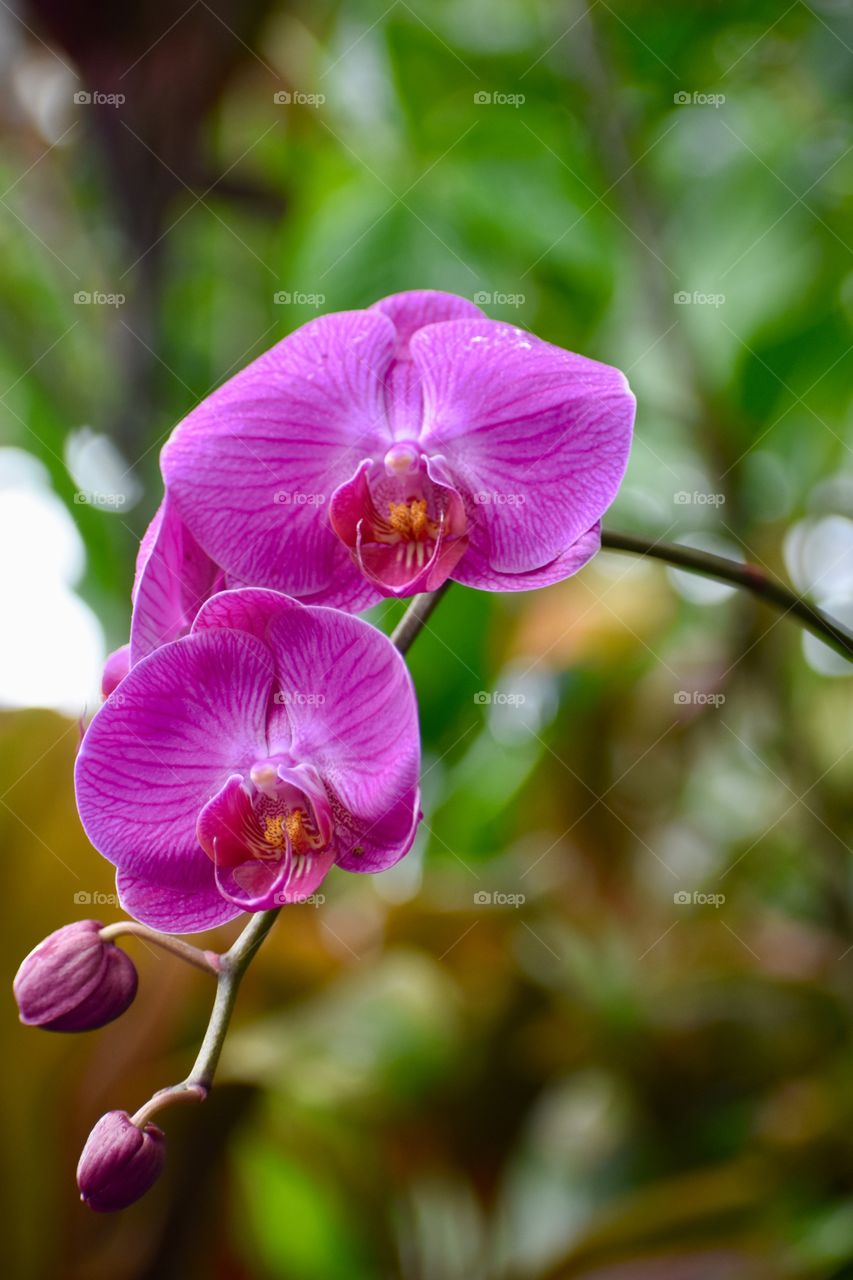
point(378, 453)
point(245, 759)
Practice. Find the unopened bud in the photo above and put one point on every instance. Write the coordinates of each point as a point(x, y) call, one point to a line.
point(119, 1162)
point(74, 981)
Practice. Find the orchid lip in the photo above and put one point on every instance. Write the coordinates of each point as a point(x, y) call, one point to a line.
point(405, 529)
point(266, 831)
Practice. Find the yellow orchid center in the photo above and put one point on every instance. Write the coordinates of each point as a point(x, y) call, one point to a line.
point(274, 831)
point(288, 826)
point(410, 521)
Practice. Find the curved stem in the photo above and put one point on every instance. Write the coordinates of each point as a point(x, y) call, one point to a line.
point(231, 966)
point(234, 964)
point(167, 1098)
point(207, 960)
point(748, 576)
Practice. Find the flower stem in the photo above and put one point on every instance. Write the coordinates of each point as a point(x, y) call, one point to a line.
point(231, 966)
point(234, 964)
point(747, 576)
point(207, 960)
point(416, 617)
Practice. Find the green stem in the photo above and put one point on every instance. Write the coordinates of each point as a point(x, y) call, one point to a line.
point(747, 576)
point(233, 964)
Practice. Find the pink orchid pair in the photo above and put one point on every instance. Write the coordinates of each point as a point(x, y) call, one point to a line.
point(262, 734)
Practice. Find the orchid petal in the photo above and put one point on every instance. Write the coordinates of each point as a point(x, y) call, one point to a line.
point(356, 723)
point(174, 577)
point(409, 312)
point(252, 468)
point(536, 438)
point(475, 571)
point(191, 714)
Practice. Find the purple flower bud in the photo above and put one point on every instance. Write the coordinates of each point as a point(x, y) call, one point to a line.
point(73, 981)
point(119, 1162)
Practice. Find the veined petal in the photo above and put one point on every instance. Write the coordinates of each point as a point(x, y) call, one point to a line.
point(180, 900)
point(356, 723)
point(252, 468)
point(536, 438)
point(247, 609)
point(413, 309)
point(116, 668)
point(474, 570)
point(371, 842)
point(409, 312)
point(252, 611)
point(174, 577)
point(191, 714)
point(350, 711)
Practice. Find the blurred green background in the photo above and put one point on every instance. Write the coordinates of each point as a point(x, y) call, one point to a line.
point(599, 1023)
